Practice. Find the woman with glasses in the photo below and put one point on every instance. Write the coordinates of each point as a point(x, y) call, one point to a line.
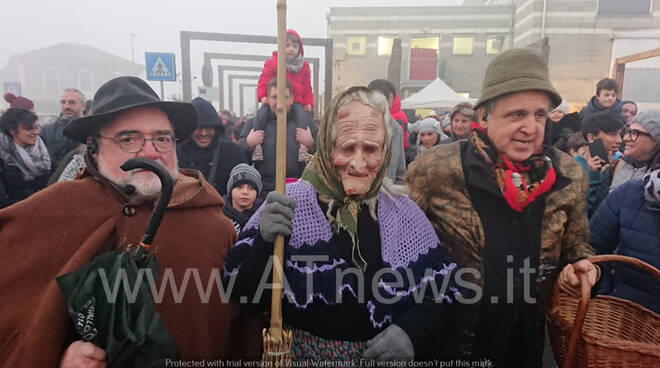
point(642, 139)
point(628, 223)
point(24, 161)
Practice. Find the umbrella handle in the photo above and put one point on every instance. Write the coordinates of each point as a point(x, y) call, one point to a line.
point(165, 193)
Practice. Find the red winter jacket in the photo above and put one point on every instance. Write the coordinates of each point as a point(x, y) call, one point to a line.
point(300, 81)
point(398, 115)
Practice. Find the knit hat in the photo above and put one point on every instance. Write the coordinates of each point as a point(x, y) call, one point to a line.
point(244, 174)
point(517, 70)
point(563, 107)
point(19, 102)
point(629, 102)
point(430, 125)
point(446, 121)
point(650, 120)
point(464, 108)
point(206, 113)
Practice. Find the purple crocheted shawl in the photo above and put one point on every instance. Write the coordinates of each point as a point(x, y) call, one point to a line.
point(409, 245)
point(405, 232)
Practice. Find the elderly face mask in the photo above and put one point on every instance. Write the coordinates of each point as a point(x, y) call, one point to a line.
point(358, 149)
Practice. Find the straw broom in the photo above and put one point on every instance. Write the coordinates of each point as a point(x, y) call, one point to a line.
point(276, 340)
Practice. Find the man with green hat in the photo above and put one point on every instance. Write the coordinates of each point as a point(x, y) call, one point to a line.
point(509, 209)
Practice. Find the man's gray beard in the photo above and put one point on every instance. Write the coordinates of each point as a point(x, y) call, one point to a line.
point(146, 183)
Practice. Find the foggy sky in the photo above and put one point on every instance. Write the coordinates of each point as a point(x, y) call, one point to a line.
point(31, 24)
point(27, 25)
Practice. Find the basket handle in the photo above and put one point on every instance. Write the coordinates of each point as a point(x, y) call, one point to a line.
point(585, 293)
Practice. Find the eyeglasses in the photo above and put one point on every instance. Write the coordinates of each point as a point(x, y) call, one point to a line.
point(635, 133)
point(134, 142)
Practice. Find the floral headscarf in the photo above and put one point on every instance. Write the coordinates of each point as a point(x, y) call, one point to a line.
point(324, 176)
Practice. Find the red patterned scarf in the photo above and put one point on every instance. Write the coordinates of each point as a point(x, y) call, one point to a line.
point(520, 182)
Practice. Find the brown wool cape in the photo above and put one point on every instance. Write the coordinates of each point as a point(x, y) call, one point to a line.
point(61, 228)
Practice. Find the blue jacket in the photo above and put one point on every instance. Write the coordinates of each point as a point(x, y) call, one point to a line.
point(624, 224)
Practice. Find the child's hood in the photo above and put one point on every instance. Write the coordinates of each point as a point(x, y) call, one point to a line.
point(302, 50)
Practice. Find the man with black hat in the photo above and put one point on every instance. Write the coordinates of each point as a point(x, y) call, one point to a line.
point(106, 208)
point(207, 150)
point(510, 209)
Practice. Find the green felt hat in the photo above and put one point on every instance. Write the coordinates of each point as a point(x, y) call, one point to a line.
point(517, 70)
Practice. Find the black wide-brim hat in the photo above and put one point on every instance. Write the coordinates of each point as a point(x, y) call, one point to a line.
point(123, 93)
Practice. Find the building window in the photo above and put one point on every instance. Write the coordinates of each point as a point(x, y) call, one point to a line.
point(463, 45)
point(628, 8)
point(429, 43)
point(356, 45)
point(424, 58)
point(385, 45)
point(494, 44)
point(51, 82)
point(85, 83)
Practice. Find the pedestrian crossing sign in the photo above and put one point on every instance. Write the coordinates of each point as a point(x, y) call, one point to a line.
point(160, 66)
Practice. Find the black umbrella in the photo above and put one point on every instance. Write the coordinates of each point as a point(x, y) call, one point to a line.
point(125, 322)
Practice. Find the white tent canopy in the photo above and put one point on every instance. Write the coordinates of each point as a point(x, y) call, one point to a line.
point(436, 95)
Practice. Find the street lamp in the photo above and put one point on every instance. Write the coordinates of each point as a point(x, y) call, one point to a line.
point(132, 46)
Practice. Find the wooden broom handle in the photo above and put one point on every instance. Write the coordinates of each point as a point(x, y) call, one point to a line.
point(585, 291)
point(280, 170)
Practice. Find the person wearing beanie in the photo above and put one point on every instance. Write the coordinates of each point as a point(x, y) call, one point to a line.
point(502, 201)
point(207, 150)
point(446, 125)
point(558, 112)
point(19, 102)
point(642, 140)
point(429, 135)
point(555, 130)
point(242, 198)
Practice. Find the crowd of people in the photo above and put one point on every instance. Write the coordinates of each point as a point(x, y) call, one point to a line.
point(514, 182)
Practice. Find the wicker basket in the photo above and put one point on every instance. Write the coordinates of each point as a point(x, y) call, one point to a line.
point(611, 332)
